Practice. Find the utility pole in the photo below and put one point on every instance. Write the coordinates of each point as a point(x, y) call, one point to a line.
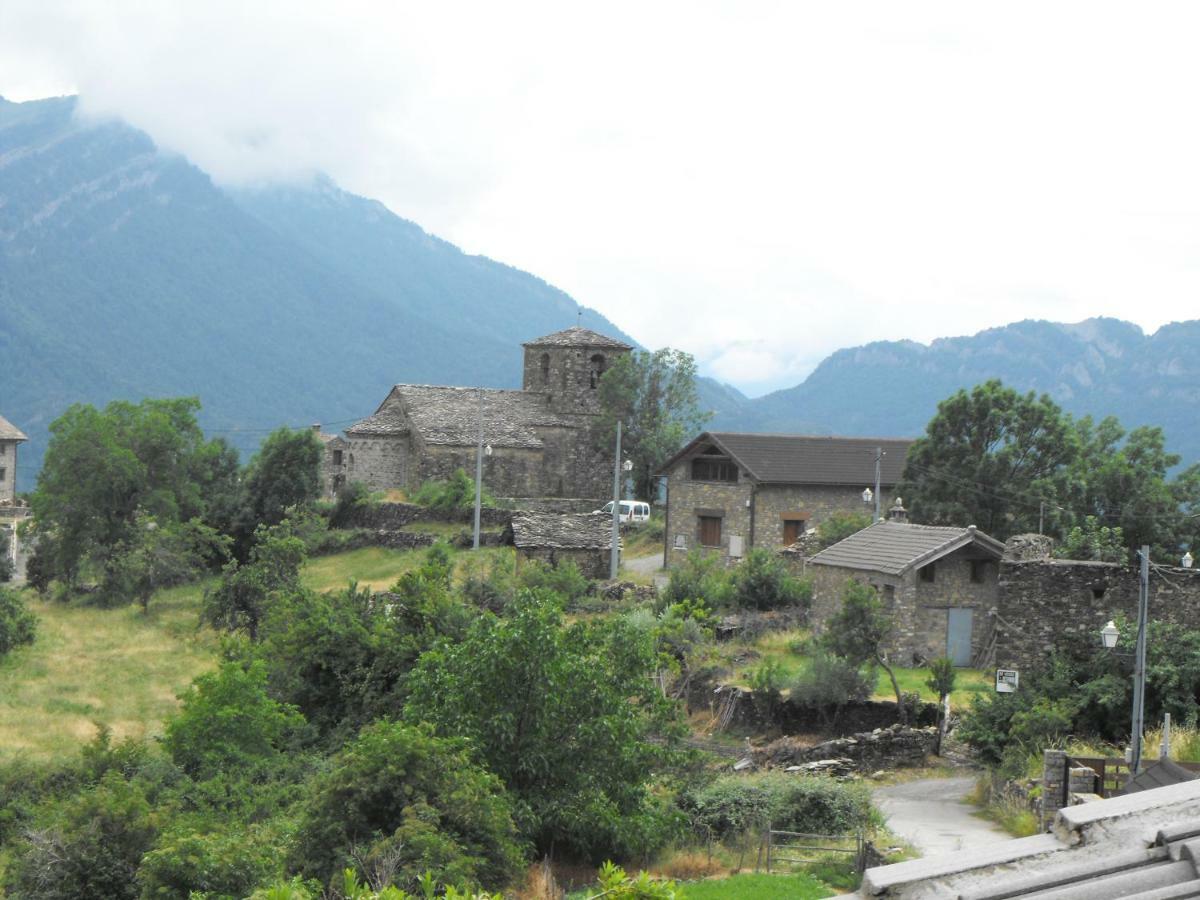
point(1139, 665)
point(878, 496)
point(616, 517)
point(1041, 515)
point(478, 473)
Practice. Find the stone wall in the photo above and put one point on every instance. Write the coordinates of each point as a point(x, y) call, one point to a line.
point(8, 470)
point(882, 748)
point(728, 501)
point(595, 564)
point(394, 516)
point(566, 374)
point(1042, 601)
point(772, 502)
point(918, 609)
point(509, 471)
point(380, 462)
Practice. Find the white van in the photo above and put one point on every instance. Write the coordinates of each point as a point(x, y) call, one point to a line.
point(632, 511)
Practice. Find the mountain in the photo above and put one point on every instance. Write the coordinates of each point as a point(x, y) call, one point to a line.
point(1097, 367)
point(125, 272)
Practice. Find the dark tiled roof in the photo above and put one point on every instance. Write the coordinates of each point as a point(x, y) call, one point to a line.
point(806, 459)
point(578, 337)
point(1156, 774)
point(10, 432)
point(895, 547)
point(450, 415)
point(562, 531)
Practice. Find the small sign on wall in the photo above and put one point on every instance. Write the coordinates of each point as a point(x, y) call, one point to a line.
point(680, 542)
point(1006, 680)
point(735, 545)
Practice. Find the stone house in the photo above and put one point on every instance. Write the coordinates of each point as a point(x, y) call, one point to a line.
point(11, 512)
point(552, 538)
point(10, 437)
point(542, 439)
point(729, 491)
point(937, 584)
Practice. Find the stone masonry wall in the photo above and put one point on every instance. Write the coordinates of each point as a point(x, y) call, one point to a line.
point(1042, 601)
point(508, 472)
point(685, 496)
point(8, 470)
point(568, 380)
point(593, 564)
point(379, 462)
point(817, 502)
point(897, 594)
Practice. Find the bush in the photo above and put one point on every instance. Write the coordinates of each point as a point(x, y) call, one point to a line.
point(813, 805)
point(828, 683)
point(18, 625)
point(455, 493)
point(224, 863)
point(839, 526)
point(7, 569)
point(762, 581)
point(701, 577)
point(352, 498)
point(398, 794)
point(564, 579)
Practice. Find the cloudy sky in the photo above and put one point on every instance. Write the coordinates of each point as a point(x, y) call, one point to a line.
point(757, 183)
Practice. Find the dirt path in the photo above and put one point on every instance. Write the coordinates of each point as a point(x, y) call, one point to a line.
point(648, 565)
point(933, 816)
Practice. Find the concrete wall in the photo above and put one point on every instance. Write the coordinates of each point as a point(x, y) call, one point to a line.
point(8, 470)
point(1042, 601)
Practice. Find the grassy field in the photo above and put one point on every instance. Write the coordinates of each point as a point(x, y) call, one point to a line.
point(757, 887)
point(125, 669)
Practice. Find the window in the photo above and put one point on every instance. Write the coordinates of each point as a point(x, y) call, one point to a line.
point(545, 368)
point(596, 369)
point(1097, 592)
point(929, 572)
point(710, 531)
point(706, 469)
point(337, 457)
point(3, 474)
point(979, 570)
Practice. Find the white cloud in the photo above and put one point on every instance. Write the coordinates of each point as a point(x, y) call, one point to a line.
point(757, 187)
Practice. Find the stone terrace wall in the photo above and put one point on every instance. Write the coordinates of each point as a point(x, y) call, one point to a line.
point(391, 516)
point(593, 564)
point(1041, 601)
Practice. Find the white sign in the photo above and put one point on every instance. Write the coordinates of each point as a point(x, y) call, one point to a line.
point(1006, 680)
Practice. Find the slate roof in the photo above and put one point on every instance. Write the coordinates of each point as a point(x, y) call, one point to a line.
point(450, 415)
point(1144, 846)
point(10, 432)
point(562, 531)
point(805, 459)
point(895, 547)
point(576, 336)
point(1158, 773)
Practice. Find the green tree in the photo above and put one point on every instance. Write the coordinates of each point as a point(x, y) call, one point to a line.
point(284, 475)
point(986, 458)
point(157, 556)
point(399, 797)
point(561, 714)
point(941, 681)
point(104, 467)
point(859, 633)
point(1093, 541)
point(228, 724)
point(654, 397)
point(839, 525)
point(241, 598)
point(762, 581)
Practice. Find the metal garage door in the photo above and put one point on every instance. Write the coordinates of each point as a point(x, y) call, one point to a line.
point(958, 636)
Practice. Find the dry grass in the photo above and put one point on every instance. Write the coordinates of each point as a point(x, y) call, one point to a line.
point(688, 865)
point(125, 669)
point(88, 665)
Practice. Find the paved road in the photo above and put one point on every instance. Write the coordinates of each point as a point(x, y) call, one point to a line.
point(648, 565)
point(932, 815)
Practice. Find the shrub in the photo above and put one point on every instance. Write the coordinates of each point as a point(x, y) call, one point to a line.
point(18, 625)
point(455, 493)
point(840, 525)
point(762, 581)
point(828, 683)
point(7, 569)
point(701, 577)
point(223, 863)
point(398, 793)
point(350, 499)
point(733, 803)
point(564, 579)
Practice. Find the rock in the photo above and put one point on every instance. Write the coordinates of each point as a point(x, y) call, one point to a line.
point(882, 748)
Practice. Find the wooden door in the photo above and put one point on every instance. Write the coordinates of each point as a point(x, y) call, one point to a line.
point(792, 529)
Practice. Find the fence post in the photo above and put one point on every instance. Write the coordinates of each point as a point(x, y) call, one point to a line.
point(769, 836)
point(1054, 785)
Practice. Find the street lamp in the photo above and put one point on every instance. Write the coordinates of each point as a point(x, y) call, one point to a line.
point(1187, 560)
point(867, 496)
point(1109, 635)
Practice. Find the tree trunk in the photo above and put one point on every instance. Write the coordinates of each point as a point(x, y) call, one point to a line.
point(900, 709)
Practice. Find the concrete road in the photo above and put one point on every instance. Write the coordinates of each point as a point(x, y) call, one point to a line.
point(932, 815)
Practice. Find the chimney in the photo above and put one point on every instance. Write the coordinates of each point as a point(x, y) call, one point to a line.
point(898, 513)
point(316, 427)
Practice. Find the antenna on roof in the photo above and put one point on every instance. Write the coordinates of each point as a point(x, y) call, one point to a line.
point(579, 317)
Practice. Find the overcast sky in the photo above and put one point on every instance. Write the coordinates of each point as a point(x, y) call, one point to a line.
point(756, 183)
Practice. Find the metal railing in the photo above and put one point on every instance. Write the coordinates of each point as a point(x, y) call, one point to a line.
point(797, 848)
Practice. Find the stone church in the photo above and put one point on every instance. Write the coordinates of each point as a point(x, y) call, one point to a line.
point(542, 438)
